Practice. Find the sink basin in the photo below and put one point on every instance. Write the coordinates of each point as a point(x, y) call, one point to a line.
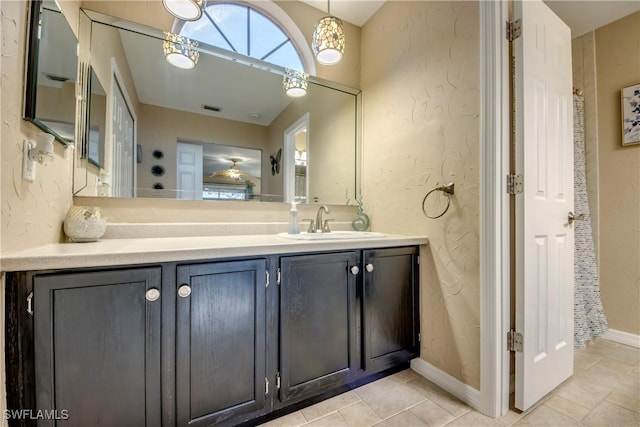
point(334, 235)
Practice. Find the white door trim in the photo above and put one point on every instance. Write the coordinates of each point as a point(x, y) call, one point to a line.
point(494, 209)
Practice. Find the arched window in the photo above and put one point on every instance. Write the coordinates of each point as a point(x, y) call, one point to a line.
point(244, 30)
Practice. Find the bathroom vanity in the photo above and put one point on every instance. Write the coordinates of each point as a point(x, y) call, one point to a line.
point(202, 331)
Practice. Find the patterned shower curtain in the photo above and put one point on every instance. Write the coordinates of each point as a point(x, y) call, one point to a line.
point(589, 317)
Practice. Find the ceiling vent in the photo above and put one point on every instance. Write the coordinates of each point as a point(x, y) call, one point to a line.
point(55, 78)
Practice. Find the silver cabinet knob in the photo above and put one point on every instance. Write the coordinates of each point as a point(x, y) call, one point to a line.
point(152, 294)
point(184, 291)
point(355, 270)
point(369, 267)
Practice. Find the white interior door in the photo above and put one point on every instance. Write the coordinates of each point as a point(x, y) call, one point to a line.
point(189, 171)
point(544, 239)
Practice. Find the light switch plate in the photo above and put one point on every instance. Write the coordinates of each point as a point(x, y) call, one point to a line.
point(28, 165)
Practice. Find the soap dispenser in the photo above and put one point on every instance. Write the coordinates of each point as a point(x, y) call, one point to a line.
point(293, 219)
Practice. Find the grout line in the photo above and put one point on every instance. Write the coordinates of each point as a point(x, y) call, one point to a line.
point(350, 404)
point(455, 419)
point(591, 410)
point(329, 413)
point(637, 411)
point(371, 409)
point(399, 412)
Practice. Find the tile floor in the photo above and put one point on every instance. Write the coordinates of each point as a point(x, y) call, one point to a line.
point(604, 391)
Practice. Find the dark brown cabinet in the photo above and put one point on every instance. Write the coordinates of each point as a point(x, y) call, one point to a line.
point(97, 347)
point(206, 343)
point(318, 323)
point(220, 341)
point(390, 320)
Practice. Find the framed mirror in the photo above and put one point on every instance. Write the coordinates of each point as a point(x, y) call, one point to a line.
point(227, 102)
point(51, 72)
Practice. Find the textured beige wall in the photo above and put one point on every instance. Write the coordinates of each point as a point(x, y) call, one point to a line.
point(617, 48)
point(420, 89)
point(32, 213)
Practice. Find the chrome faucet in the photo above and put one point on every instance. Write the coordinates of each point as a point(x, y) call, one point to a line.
point(320, 226)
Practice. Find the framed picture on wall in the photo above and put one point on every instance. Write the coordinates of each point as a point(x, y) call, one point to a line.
point(631, 115)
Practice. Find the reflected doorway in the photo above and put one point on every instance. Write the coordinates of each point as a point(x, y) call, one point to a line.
point(296, 161)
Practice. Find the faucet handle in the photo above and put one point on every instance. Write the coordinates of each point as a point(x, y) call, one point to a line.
point(325, 226)
point(312, 225)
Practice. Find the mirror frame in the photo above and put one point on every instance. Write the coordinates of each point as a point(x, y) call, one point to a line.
point(31, 71)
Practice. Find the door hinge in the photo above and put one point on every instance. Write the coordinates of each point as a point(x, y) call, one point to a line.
point(267, 279)
point(278, 276)
point(515, 184)
point(30, 303)
point(266, 385)
point(514, 29)
point(277, 380)
point(418, 259)
point(514, 341)
point(419, 337)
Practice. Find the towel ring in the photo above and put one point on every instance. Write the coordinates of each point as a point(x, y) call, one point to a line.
point(448, 190)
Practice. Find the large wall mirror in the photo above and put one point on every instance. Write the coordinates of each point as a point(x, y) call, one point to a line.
point(51, 70)
point(222, 130)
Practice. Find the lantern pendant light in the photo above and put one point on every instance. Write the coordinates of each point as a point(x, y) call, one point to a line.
point(295, 83)
point(328, 39)
point(187, 10)
point(180, 51)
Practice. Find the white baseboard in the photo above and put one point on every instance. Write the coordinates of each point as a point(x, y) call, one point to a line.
point(622, 338)
point(462, 391)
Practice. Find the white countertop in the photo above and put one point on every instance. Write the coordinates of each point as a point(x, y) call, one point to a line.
point(167, 249)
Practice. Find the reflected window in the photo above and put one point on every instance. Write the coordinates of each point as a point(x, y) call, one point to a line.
point(227, 192)
point(244, 30)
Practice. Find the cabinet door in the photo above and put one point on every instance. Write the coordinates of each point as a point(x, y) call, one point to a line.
point(97, 347)
point(220, 339)
point(318, 336)
point(390, 306)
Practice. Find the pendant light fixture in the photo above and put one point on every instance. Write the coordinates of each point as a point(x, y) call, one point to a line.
point(328, 39)
point(187, 10)
point(180, 51)
point(294, 83)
